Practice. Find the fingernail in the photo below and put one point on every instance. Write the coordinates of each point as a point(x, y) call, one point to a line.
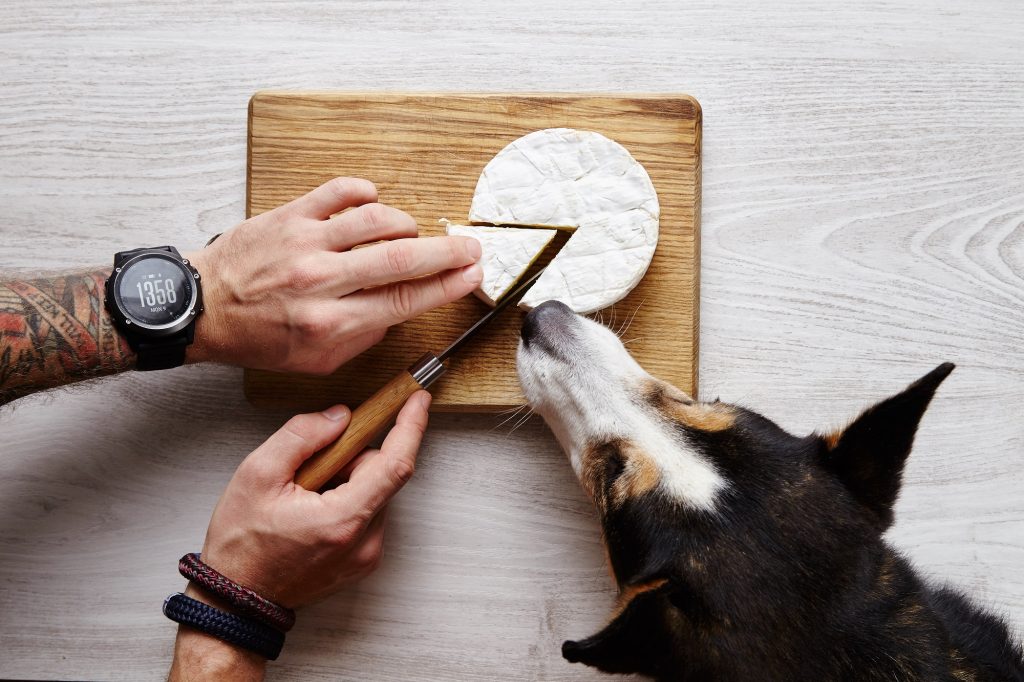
point(474, 274)
point(336, 413)
point(473, 249)
point(426, 399)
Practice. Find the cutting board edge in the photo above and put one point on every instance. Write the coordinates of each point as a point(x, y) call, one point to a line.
point(698, 199)
point(387, 94)
point(257, 400)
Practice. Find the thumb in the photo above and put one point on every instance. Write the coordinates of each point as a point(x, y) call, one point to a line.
point(275, 462)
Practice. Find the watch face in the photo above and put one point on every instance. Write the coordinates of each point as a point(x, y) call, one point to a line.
point(155, 291)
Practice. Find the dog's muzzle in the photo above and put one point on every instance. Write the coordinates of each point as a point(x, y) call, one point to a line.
point(549, 327)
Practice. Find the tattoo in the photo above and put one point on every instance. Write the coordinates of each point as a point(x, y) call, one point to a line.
point(56, 331)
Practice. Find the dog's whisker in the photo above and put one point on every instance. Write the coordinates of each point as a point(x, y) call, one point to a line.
point(525, 418)
point(514, 408)
point(629, 323)
point(632, 317)
point(516, 413)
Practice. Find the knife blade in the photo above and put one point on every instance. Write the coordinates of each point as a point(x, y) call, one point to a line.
point(370, 418)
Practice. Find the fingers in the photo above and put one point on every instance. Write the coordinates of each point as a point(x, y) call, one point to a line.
point(368, 223)
point(389, 305)
point(333, 196)
point(377, 478)
point(274, 462)
point(402, 259)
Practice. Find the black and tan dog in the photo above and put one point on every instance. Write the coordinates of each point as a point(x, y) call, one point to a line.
point(743, 552)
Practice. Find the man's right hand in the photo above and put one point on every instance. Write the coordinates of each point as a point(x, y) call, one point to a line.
point(288, 290)
point(295, 546)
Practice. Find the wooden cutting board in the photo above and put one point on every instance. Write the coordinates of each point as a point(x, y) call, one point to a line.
point(425, 153)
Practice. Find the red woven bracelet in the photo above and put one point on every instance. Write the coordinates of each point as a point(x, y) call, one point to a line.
point(246, 601)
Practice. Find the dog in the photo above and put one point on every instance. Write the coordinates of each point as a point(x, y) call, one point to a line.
point(743, 552)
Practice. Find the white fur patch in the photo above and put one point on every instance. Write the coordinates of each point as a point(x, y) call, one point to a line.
point(686, 475)
point(588, 393)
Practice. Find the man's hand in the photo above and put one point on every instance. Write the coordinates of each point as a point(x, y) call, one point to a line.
point(289, 289)
point(295, 546)
point(291, 545)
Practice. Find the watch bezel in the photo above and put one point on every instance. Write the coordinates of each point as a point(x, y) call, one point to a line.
point(129, 323)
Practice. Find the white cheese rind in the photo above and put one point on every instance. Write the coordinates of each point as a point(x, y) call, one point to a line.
point(560, 177)
point(506, 254)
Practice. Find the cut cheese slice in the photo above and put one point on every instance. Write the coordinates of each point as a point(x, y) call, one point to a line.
point(559, 178)
point(506, 254)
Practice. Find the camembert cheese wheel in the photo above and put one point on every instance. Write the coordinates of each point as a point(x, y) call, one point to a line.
point(575, 179)
point(506, 253)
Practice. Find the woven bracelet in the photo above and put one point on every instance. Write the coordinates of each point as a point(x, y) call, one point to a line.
point(244, 600)
point(248, 634)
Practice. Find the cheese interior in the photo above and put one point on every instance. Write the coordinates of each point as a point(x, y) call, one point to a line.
point(560, 177)
point(506, 254)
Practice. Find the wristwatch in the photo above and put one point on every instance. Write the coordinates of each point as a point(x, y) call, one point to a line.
point(154, 298)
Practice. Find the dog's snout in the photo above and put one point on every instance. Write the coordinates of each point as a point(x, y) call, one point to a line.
point(545, 319)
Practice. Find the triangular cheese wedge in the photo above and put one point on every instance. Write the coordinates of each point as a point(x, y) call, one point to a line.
point(507, 253)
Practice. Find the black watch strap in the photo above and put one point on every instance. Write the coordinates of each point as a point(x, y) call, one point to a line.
point(127, 255)
point(165, 353)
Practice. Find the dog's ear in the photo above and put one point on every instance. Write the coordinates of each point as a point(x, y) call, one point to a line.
point(635, 641)
point(868, 455)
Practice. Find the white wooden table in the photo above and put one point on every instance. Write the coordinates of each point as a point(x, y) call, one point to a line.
point(863, 221)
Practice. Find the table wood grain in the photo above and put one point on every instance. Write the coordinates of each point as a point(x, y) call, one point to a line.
point(863, 221)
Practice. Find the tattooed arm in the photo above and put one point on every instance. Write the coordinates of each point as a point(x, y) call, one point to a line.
point(287, 290)
point(55, 331)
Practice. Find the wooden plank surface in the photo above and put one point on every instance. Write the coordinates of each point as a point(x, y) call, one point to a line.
point(863, 194)
point(425, 153)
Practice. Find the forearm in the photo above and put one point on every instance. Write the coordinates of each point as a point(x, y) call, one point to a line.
point(199, 657)
point(55, 331)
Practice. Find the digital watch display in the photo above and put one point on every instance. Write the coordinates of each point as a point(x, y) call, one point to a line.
point(154, 297)
point(155, 291)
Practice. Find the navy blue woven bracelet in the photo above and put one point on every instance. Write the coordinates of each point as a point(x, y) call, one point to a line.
point(244, 632)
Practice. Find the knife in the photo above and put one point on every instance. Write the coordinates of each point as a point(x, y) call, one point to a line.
point(370, 418)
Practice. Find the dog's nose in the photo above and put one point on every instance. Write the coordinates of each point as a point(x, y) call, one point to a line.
point(547, 315)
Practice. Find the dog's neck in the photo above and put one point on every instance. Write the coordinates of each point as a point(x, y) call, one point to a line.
point(877, 623)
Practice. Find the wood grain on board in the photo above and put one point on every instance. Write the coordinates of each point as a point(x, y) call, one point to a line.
point(425, 153)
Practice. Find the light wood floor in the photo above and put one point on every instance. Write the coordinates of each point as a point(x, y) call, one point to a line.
point(863, 221)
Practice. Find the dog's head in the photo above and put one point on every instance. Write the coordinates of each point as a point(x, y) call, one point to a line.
point(715, 519)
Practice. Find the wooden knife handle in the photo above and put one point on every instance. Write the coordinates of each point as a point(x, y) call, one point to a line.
point(368, 420)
